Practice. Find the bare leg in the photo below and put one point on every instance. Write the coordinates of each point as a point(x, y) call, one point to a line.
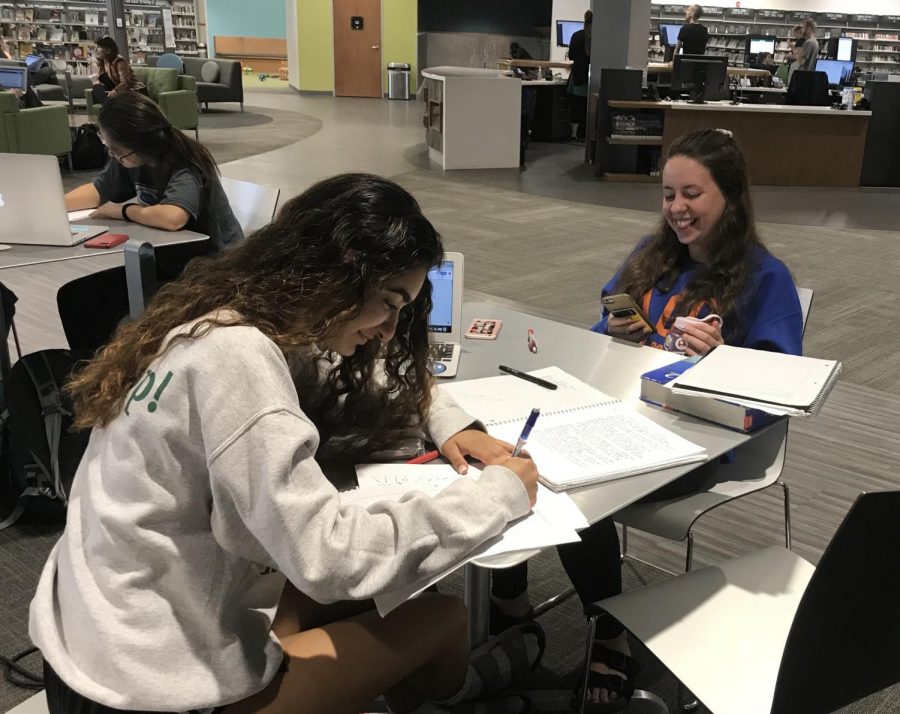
point(339, 658)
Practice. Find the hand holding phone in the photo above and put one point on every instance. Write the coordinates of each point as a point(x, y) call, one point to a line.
point(626, 319)
point(107, 240)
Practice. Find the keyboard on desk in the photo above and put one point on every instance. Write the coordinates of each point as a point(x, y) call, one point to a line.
point(442, 351)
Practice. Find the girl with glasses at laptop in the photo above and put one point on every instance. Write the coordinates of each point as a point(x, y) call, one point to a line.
point(704, 258)
point(200, 493)
point(156, 176)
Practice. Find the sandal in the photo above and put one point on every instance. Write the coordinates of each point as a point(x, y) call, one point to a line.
point(497, 705)
point(513, 644)
point(623, 688)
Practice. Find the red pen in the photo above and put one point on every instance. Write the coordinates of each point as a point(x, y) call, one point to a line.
point(532, 344)
point(425, 458)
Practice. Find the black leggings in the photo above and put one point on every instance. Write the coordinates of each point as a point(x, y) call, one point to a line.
point(62, 699)
point(92, 307)
point(593, 564)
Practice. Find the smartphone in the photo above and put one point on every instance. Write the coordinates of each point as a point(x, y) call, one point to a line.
point(483, 329)
point(622, 305)
point(107, 240)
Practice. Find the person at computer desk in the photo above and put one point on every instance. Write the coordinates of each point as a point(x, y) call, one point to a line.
point(693, 36)
point(156, 176)
point(705, 257)
point(207, 562)
point(577, 89)
point(766, 61)
point(115, 75)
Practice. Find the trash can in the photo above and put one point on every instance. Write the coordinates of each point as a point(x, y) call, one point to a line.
point(398, 80)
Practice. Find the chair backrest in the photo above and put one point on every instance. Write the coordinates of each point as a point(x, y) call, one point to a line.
point(844, 643)
point(170, 60)
point(253, 205)
point(805, 296)
point(157, 80)
point(808, 88)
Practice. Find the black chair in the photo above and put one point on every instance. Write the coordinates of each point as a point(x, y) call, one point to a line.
point(808, 88)
point(770, 629)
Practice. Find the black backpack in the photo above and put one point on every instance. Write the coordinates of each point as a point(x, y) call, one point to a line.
point(42, 451)
point(88, 151)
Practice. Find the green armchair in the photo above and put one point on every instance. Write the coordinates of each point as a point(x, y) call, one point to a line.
point(176, 95)
point(42, 130)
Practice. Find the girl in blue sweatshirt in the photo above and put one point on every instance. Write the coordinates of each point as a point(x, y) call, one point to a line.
point(704, 258)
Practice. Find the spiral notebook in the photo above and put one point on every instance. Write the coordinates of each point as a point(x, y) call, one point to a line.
point(774, 382)
point(582, 437)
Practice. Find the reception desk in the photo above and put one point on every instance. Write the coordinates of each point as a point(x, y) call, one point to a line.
point(784, 145)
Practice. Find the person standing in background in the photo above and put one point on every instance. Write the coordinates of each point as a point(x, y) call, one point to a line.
point(693, 36)
point(5, 52)
point(580, 55)
point(805, 52)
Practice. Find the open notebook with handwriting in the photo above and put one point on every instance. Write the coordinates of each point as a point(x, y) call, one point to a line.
point(582, 437)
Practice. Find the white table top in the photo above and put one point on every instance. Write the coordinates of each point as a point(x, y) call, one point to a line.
point(613, 367)
point(444, 72)
point(23, 255)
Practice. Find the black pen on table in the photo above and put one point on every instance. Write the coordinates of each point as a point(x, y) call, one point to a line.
point(527, 377)
point(526, 431)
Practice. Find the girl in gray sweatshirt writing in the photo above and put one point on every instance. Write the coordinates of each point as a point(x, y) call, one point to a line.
point(206, 560)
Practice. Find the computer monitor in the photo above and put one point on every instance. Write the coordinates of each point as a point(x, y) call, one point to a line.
point(668, 34)
point(759, 45)
point(705, 77)
point(565, 29)
point(31, 60)
point(13, 77)
point(838, 71)
point(845, 48)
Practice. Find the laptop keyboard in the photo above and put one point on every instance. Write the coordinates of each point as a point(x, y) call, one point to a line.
point(442, 352)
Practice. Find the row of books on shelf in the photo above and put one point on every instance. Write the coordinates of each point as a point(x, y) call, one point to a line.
point(636, 124)
point(66, 17)
point(52, 33)
point(138, 18)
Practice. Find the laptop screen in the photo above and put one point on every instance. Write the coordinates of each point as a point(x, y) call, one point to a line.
point(441, 318)
point(13, 77)
point(31, 60)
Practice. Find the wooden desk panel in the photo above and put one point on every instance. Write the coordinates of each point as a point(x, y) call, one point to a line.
point(785, 149)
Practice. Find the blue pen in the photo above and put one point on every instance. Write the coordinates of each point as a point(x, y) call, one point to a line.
point(526, 431)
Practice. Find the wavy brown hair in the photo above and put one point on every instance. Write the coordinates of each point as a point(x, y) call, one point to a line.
point(299, 278)
point(733, 254)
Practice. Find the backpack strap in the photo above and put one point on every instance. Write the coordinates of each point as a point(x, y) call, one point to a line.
point(52, 410)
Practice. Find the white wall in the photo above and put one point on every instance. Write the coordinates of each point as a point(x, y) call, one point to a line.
point(564, 10)
point(290, 22)
point(865, 7)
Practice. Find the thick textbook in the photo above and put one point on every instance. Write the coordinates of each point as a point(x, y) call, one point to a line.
point(656, 389)
point(582, 437)
point(772, 381)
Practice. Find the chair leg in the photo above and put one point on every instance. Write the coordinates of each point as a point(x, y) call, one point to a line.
point(242, 106)
point(197, 133)
point(69, 161)
point(624, 543)
point(689, 557)
point(589, 647)
point(787, 514)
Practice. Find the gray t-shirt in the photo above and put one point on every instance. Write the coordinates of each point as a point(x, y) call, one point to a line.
point(182, 188)
point(809, 53)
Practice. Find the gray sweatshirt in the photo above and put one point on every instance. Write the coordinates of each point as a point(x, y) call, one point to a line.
point(160, 594)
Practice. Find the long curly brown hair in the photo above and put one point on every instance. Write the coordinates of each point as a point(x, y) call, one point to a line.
point(733, 254)
point(312, 269)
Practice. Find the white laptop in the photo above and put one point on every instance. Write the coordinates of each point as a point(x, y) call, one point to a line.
point(32, 207)
point(445, 321)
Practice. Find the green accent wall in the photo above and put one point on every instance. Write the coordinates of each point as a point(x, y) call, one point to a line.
point(399, 40)
point(315, 41)
point(315, 45)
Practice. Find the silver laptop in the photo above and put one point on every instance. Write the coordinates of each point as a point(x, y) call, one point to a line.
point(13, 77)
point(445, 321)
point(32, 207)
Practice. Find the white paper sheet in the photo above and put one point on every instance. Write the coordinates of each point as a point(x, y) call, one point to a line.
point(80, 215)
point(554, 519)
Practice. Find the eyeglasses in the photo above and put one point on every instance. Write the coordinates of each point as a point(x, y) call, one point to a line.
point(117, 157)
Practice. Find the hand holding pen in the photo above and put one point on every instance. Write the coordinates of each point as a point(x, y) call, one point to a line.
point(523, 466)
